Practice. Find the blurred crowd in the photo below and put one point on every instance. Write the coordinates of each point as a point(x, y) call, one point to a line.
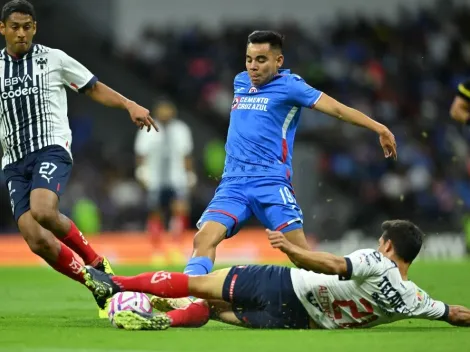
point(403, 73)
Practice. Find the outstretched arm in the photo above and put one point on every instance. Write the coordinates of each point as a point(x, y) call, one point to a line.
point(332, 107)
point(459, 316)
point(80, 79)
point(106, 96)
point(319, 262)
point(301, 94)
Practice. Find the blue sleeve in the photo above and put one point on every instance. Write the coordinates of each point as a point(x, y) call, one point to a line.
point(239, 82)
point(302, 94)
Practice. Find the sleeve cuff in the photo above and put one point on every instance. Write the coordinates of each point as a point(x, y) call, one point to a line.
point(445, 316)
point(349, 270)
point(464, 92)
point(315, 101)
point(90, 84)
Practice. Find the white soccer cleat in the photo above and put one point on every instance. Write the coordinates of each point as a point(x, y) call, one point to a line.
point(167, 304)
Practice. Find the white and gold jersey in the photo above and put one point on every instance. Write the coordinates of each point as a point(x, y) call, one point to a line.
point(372, 293)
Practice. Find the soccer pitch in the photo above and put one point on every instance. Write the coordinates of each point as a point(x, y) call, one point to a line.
point(44, 312)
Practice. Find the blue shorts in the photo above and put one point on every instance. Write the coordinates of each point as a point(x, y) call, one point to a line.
point(270, 199)
point(263, 297)
point(48, 168)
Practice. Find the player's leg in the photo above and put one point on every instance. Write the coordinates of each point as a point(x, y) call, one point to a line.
point(223, 311)
point(195, 315)
point(44, 210)
point(263, 297)
point(254, 296)
point(41, 241)
point(179, 210)
point(213, 288)
point(170, 285)
point(155, 226)
point(50, 174)
point(44, 244)
point(210, 234)
point(160, 283)
point(274, 204)
point(205, 243)
point(226, 213)
point(177, 207)
point(50, 170)
point(200, 311)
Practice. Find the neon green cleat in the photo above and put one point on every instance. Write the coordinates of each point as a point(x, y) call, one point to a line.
point(129, 320)
point(104, 266)
point(107, 266)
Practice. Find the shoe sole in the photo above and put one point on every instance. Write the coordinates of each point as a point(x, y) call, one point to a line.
point(168, 304)
point(129, 320)
point(98, 290)
point(89, 282)
point(161, 304)
point(103, 313)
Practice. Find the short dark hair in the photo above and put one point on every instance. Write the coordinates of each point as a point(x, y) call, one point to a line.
point(406, 237)
point(21, 6)
point(275, 39)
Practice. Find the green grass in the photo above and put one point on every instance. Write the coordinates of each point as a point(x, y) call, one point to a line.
point(42, 311)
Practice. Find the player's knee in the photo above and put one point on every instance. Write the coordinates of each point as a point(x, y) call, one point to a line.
point(43, 215)
point(207, 240)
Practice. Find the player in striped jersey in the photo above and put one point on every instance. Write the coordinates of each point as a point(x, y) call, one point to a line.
point(460, 108)
point(36, 139)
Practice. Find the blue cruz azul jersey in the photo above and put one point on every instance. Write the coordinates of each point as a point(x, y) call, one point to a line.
point(263, 122)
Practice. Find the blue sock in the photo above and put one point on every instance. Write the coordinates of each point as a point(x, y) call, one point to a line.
point(199, 266)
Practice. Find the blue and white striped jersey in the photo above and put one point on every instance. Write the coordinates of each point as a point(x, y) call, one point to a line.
point(33, 109)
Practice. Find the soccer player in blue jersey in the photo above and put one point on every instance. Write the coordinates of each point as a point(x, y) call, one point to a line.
point(258, 167)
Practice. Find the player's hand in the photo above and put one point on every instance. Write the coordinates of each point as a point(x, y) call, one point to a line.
point(279, 241)
point(141, 116)
point(387, 141)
